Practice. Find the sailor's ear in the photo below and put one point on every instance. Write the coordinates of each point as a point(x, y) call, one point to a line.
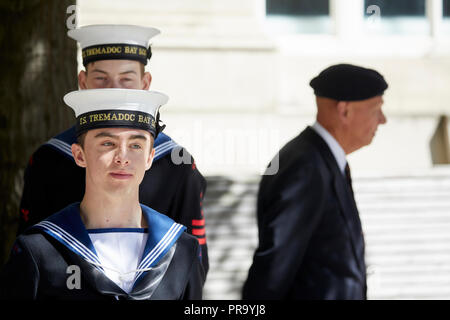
point(78, 155)
point(146, 80)
point(82, 80)
point(150, 158)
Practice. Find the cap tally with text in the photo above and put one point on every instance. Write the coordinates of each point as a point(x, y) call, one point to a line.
point(105, 42)
point(346, 82)
point(107, 108)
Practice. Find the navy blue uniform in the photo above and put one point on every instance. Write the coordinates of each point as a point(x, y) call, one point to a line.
point(43, 258)
point(53, 180)
point(311, 244)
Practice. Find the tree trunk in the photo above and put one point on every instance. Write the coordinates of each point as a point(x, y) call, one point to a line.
point(38, 66)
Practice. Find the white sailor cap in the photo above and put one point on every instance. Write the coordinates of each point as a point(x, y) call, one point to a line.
point(114, 41)
point(106, 108)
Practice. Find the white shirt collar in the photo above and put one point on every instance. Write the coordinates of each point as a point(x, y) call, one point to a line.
point(336, 149)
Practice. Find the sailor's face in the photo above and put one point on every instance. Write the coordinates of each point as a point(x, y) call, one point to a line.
point(127, 74)
point(117, 158)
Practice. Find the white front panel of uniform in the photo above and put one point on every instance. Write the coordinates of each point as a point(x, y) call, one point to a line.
point(120, 254)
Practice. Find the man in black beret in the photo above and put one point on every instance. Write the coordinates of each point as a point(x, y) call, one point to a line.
point(311, 244)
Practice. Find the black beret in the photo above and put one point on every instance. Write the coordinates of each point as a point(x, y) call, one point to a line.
point(346, 82)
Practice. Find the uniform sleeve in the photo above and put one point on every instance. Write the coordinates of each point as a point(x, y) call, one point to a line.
point(285, 232)
point(194, 287)
point(19, 277)
point(52, 181)
point(25, 203)
point(33, 205)
point(189, 203)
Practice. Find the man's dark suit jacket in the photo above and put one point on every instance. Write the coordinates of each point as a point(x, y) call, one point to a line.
point(311, 244)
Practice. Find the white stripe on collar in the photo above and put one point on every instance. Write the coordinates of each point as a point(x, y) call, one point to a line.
point(70, 241)
point(61, 145)
point(163, 147)
point(160, 248)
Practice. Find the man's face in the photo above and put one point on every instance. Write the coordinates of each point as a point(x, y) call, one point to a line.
point(115, 158)
point(363, 119)
point(127, 74)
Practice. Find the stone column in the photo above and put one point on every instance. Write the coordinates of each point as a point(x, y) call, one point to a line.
point(348, 17)
point(434, 12)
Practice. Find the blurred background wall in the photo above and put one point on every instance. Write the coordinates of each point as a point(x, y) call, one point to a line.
point(238, 72)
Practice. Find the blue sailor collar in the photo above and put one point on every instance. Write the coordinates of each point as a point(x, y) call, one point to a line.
point(163, 145)
point(63, 143)
point(67, 227)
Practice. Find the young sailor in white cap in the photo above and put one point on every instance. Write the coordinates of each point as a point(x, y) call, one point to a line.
point(105, 42)
point(120, 248)
point(114, 56)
